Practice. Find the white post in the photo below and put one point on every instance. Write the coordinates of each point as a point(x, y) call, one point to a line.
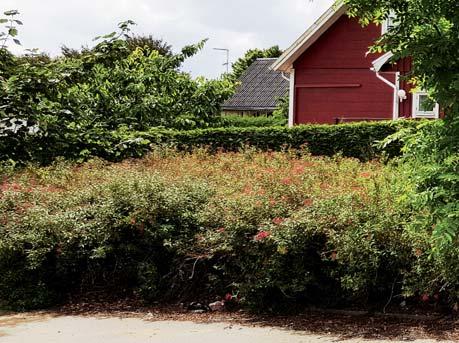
point(291, 108)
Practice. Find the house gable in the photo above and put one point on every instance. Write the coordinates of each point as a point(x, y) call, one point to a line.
point(344, 45)
point(334, 79)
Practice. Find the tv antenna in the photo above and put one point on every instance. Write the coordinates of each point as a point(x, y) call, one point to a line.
point(227, 58)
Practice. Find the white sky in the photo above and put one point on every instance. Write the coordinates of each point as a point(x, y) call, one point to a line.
point(238, 25)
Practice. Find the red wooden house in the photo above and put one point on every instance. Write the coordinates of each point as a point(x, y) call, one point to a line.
point(334, 79)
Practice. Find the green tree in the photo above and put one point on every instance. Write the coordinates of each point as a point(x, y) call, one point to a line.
point(146, 43)
point(74, 106)
point(241, 65)
point(428, 32)
point(10, 28)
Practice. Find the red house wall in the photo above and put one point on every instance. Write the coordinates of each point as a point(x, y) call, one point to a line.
point(333, 80)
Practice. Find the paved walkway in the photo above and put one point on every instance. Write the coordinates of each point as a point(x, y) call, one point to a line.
point(69, 329)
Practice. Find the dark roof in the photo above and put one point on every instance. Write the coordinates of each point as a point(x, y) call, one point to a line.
point(260, 88)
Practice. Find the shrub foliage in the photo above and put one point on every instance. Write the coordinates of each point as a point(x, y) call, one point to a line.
point(272, 229)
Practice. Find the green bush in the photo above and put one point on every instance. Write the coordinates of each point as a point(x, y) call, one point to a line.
point(274, 229)
point(248, 121)
point(358, 140)
point(118, 236)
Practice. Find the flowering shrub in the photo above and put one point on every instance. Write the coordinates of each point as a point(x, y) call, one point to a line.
point(272, 229)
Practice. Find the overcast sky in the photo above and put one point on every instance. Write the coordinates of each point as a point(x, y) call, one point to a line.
point(234, 24)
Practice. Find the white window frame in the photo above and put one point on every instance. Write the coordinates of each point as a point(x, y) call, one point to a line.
point(417, 113)
point(385, 27)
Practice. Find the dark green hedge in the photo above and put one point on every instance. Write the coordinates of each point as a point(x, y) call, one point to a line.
point(359, 140)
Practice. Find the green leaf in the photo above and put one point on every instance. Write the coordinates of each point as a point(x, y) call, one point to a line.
point(11, 12)
point(110, 35)
point(19, 22)
point(13, 32)
point(3, 21)
point(17, 41)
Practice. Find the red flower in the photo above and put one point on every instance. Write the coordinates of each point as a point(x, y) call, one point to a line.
point(287, 181)
point(298, 169)
point(278, 221)
point(228, 297)
point(308, 202)
point(262, 235)
point(425, 298)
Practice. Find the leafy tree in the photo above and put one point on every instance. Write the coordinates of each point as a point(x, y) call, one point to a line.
point(11, 30)
point(282, 107)
point(146, 43)
point(250, 56)
point(428, 32)
point(73, 106)
point(149, 43)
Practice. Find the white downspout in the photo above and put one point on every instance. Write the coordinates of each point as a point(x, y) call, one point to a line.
point(291, 106)
point(396, 88)
point(291, 97)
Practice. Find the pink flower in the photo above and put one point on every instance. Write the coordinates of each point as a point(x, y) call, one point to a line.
point(278, 221)
point(221, 230)
point(262, 235)
point(287, 181)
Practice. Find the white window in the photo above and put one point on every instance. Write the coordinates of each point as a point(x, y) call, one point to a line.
point(389, 23)
point(423, 107)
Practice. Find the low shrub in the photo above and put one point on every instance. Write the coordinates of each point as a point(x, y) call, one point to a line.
point(118, 236)
point(274, 230)
point(249, 121)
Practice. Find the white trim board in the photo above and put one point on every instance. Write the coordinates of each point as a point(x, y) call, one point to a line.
point(382, 61)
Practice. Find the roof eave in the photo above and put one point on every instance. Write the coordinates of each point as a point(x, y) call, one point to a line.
point(247, 108)
point(285, 62)
point(380, 62)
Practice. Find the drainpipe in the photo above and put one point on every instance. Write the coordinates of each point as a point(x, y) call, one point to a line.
point(395, 87)
point(291, 106)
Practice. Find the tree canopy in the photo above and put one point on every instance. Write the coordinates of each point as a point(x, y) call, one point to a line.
point(428, 32)
point(73, 105)
point(250, 56)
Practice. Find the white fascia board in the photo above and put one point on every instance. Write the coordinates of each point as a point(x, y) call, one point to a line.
point(285, 62)
point(381, 61)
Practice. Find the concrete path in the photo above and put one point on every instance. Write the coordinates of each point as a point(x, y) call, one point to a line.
point(54, 329)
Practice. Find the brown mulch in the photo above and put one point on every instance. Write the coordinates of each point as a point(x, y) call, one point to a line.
point(342, 324)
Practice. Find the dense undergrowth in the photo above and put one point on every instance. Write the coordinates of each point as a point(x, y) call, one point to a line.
point(273, 229)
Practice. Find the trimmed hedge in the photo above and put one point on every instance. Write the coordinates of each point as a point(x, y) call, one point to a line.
point(248, 121)
point(358, 140)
